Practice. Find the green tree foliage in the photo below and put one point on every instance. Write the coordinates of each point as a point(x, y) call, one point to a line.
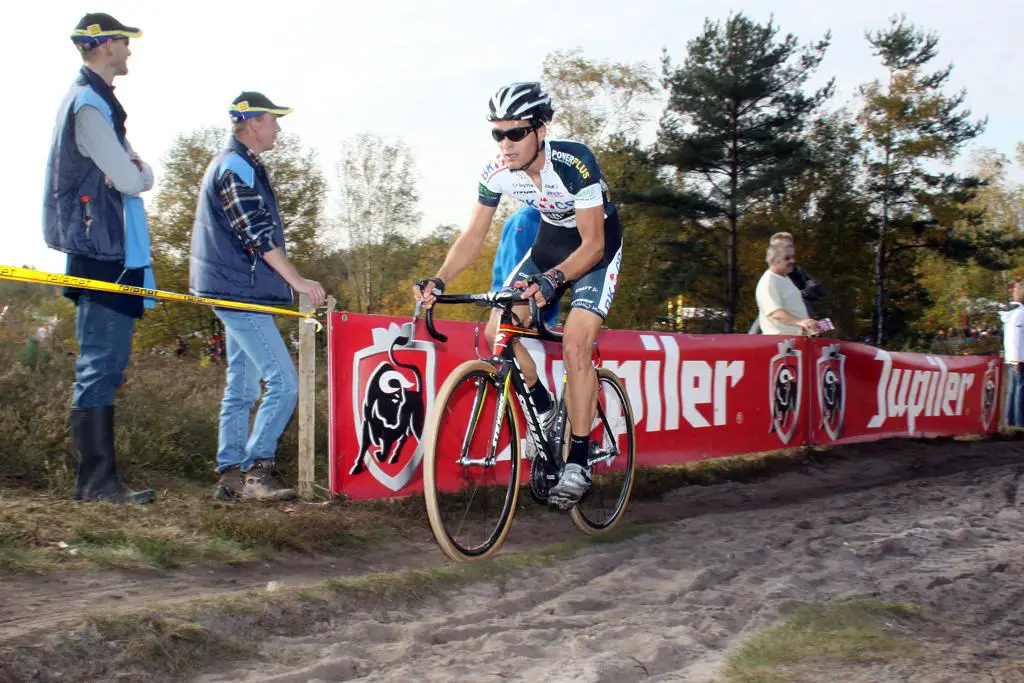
point(743, 151)
point(826, 211)
point(301, 189)
point(430, 252)
point(734, 128)
point(959, 292)
point(379, 213)
point(597, 100)
point(651, 273)
point(910, 126)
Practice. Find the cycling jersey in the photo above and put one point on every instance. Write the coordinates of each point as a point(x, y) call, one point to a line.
point(570, 180)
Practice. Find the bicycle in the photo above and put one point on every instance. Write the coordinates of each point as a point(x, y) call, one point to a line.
point(473, 430)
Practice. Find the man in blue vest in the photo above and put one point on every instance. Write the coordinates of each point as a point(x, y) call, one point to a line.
point(238, 254)
point(92, 213)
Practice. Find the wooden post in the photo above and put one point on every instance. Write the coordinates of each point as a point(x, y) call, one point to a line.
point(307, 400)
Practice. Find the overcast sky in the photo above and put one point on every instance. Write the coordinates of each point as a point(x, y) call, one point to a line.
point(423, 71)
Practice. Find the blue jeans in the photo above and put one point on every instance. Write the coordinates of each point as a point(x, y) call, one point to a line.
point(255, 351)
point(1015, 397)
point(104, 348)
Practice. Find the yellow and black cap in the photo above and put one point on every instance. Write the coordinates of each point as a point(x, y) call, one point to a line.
point(97, 27)
point(251, 104)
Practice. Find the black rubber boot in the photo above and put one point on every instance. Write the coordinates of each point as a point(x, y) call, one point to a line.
point(92, 434)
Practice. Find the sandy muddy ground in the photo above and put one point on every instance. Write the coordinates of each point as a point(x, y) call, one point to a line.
point(937, 525)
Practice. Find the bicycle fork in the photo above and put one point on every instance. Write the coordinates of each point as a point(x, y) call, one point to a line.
point(478, 407)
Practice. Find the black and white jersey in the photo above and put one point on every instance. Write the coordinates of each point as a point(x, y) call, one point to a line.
point(570, 180)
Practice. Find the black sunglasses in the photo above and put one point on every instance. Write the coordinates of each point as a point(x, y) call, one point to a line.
point(513, 134)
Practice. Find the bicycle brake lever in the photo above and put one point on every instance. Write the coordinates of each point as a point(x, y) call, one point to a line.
point(404, 339)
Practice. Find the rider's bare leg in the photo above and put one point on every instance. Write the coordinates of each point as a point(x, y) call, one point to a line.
point(491, 328)
point(581, 330)
point(526, 363)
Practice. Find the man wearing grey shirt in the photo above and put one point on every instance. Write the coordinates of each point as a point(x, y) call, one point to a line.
point(92, 213)
point(122, 167)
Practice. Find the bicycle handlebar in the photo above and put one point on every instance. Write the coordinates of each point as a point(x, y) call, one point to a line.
point(490, 300)
point(443, 338)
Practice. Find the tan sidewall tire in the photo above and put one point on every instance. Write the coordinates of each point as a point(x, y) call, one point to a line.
point(575, 514)
point(430, 463)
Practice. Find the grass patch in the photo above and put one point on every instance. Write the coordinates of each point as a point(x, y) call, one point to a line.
point(167, 644)
point(405, 586)
point(40, 532)
point(853, 631)
point(20, 560)
point(17, 553)
point(164, 550)
point(43, 530)
point(165, 430)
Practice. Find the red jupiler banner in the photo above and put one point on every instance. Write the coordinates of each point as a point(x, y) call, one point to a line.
point(693, 397)
point(863, 393)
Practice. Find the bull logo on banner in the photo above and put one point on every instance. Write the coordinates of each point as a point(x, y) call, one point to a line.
point(831, 380)
point(392, 392)
point(989, 395)
point(784, 382)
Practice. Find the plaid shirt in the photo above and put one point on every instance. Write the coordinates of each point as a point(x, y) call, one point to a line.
point(247, 213)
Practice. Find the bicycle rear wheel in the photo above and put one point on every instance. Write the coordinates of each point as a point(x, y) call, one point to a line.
point(471, 464)
point(612, 458)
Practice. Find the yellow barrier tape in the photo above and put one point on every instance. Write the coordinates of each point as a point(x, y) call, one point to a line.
point(43, 278)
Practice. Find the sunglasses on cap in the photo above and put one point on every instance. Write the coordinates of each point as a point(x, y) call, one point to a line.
point(513, 134)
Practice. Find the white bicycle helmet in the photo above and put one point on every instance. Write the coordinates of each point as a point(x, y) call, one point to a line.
point(521, 102)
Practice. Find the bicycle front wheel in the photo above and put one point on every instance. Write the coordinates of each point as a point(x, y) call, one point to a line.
point(612, 458)
point(471, 463)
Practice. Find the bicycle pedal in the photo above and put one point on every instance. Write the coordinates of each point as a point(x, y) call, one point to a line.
point(561, 503)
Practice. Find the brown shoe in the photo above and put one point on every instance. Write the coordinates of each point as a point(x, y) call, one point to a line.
point(261, 483)
point(230, 485)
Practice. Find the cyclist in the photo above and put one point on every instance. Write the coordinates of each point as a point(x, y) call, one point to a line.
point(578, 247)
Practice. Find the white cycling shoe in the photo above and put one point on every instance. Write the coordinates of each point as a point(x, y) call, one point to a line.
point(571, 487)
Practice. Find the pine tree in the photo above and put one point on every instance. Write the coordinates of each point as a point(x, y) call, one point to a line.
point(735, 124)
point(910, 127)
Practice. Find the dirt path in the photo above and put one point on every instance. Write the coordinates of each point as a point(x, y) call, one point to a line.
point(936, 525)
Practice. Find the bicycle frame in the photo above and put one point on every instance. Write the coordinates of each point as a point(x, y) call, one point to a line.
point(551, 449)
point(510, 378)
point(503, 355)
point(510, 375)
point(502, 373)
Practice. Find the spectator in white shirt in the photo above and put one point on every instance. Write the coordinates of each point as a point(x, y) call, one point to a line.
point(781, 308)
point(810, 289)
point(1013, 355)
